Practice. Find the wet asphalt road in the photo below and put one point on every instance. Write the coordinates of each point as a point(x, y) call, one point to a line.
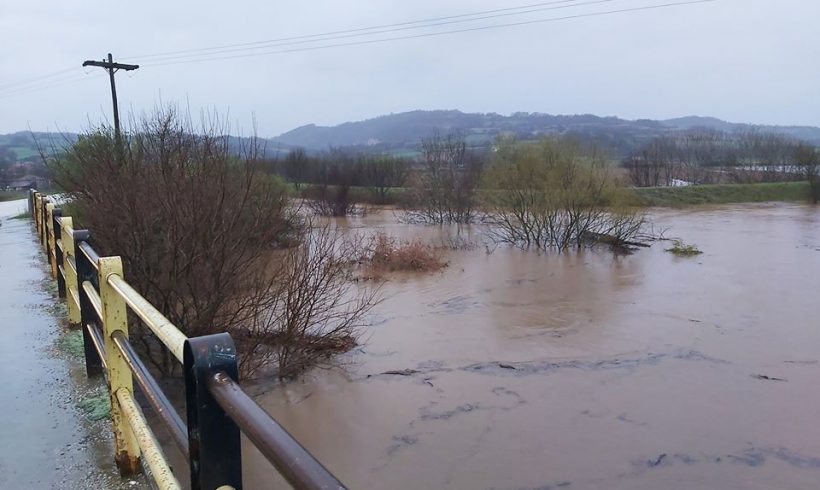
point(46, 440)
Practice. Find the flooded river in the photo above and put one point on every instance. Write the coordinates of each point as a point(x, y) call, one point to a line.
point(516, 370)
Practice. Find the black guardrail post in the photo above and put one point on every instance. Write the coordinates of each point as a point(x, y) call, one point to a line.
point(57, 215)
point(88, 317)
point(213, 438)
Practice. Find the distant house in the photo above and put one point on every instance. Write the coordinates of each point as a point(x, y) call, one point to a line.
point(27, 182)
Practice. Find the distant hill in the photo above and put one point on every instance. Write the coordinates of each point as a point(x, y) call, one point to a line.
point(26, 145)
point(403, 131)
point(810, 134)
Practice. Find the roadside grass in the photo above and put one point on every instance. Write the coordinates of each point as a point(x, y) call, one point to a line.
point(96, 406)
point(722, 194)
point(72, 343)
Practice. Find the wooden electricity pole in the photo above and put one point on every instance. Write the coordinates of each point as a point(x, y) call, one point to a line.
point(112, 68)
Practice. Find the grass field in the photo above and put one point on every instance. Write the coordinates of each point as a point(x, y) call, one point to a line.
point(12, 195)
point(24, 151)
point(723, 194)
point(658, 196)
point(15, 195)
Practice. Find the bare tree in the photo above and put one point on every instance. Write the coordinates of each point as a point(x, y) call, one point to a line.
point(705, 156)
point(808, 159)
point(382, 174)
point(445, 189)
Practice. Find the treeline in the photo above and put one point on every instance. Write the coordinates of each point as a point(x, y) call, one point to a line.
point(338, 170)
point(714, 157)
point(450, 181)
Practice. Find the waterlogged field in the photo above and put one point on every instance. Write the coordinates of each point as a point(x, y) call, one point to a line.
point(516, 370)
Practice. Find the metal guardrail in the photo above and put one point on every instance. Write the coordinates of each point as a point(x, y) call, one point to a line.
point(217, 409)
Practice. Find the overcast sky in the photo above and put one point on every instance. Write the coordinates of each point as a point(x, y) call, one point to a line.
point(740, 60)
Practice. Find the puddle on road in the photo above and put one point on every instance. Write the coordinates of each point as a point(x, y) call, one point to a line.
point(515, 370)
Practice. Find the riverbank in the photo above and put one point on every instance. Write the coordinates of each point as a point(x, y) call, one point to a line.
point(669, 197)
point(723, 194)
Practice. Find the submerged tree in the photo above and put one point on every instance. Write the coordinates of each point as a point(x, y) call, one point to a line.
point(445, 189)
point(556, 194)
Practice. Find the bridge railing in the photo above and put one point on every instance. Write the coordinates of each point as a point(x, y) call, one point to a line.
point(217, 408)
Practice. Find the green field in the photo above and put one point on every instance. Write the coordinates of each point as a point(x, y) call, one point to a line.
point(23, 152)
point(656, 196)
point(12, 195)
point(723, 194)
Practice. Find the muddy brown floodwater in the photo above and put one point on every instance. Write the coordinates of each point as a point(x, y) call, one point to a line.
point(585, 370)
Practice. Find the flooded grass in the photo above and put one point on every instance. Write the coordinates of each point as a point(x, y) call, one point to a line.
point(387, 254)
point(681, 249)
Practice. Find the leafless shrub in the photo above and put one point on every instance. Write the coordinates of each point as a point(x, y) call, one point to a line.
point(310, 310)
point(444, 191)
point(456, 242)
point(203, 237)
point(336, 201)
point(808, 161)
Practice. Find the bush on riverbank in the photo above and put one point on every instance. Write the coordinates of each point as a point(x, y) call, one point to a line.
point(211, 242)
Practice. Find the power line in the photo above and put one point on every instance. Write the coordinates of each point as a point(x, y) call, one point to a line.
point(43, 82)
point(203, 58)
point(9, 85)
point(362, 31)
point(270, 44)
point(31, 82)
point(44, 85)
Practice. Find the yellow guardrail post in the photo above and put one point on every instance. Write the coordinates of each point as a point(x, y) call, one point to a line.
point(119, 374)
point(51, 239)
point(71, 282)
point(37, 214)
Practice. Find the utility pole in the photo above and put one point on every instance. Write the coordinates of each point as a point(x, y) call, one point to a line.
point(112, 68)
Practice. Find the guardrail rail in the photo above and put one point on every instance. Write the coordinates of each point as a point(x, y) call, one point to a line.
point(217, 408)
